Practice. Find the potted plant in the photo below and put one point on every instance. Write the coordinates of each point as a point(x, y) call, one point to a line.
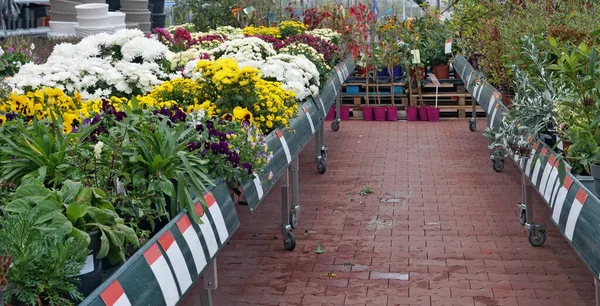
point(45, 258)
point(578, 69)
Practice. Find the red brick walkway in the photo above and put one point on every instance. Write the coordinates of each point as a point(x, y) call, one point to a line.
point(441, 229)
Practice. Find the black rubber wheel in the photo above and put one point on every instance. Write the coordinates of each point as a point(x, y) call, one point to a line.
point(523, 217)
point(498, 165)
point(293, 219)
point(335, 126)
point(472, 125)
point(321, 166)
point(289, 241)
point(539, 240)
point(324, 154)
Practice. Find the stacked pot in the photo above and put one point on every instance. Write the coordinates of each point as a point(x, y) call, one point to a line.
point(137, 14)
point(92, 19)
point(158, 13)
point(63, 16)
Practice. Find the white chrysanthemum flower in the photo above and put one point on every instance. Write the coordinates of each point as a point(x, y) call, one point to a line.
point(146, 48)
point(98, 150)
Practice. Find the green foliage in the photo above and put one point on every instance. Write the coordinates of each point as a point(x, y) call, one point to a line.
point(204, 14)
point(158, 162)
point(45, 261)
point(433, 46)
point(578, 68)
point(11, 60)
point(77, 210)
point(365, 191)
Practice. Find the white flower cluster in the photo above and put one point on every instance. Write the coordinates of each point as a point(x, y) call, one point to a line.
point(180, 59)
point(325, 34)
point(296, 73)
point(244, 49)
point(229, 31)
point(89, 67)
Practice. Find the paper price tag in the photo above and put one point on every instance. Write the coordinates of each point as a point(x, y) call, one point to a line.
point(448, 46)
point(416, 56)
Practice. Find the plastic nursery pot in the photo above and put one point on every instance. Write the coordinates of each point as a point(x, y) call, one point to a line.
point(90, 276)
point(441, 72)
point(433, 113)
point(379, 113)
point(392, 113)
point(331, 114)
point(423, 115)
point(397, 72)
point(595, 169)
point(507, 98)
point(367, 113)
point(414, 73)
point(411, 113)
point(345, 113)
point(383, 72)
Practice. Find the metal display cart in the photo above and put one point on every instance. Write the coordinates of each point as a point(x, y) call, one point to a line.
point(182, 252)
point(286, 144)
point(575, 210)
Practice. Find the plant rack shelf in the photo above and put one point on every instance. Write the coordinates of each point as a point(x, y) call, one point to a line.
point(575, 209)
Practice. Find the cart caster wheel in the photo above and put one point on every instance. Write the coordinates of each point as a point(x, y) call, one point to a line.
point(335, 126)
point(289, 241)
point(293, 219)
point(321, 166)
point(498, 165)
point(472, 125)
point(523, 217)
point(539, 240)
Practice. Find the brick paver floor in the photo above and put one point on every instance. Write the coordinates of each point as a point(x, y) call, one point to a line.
point(440, 229)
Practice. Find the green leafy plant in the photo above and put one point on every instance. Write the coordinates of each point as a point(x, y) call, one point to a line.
point(45, 261)
point(157, 161)
point(85, 210)
point(578, 68)
point(11, 60)
point(365, 191)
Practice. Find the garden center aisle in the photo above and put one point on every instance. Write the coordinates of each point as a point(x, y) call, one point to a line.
point(440, 229)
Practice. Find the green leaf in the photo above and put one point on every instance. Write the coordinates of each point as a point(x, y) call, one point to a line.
point(80, 235)
point(102, 216)
point(319, 249)
point(104, 246)
point(76, 210)
point(166, 186)
point(70, 190)
point(85, 196)
point(31, 190)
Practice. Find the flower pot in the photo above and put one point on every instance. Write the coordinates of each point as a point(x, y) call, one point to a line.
point(367, 113)
point(507, 98)
point(352, 89)
point(423, 115)
point(392, 113)
point(441, 72)
point(433, 113)
point(379, 113)
point(331, 114)
point(345, 113)
point(595, 169)
point(397, 71)
point(383, 72)
point(90, 276)
point(414, 73)
point(411, 113)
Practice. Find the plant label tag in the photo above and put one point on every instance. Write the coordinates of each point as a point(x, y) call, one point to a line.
point(448, 46)
point(416, 56)
point(88, 265)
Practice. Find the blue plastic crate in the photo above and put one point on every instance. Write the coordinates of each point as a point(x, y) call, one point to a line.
point(352, 89)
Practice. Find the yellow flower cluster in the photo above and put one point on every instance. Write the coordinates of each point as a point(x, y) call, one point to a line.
point(46, 103)
point(275, 107)
point(226, 71)
point(292, 26)
point(267, 31)
point(180, 91)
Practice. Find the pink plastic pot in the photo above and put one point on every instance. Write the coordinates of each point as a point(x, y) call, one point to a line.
point(433, 113)
point(367, 113)
point(379, 113)
point(423, 114)
point(392, 113)
point(331, 114)
point(345, 113)
point(411, 113)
